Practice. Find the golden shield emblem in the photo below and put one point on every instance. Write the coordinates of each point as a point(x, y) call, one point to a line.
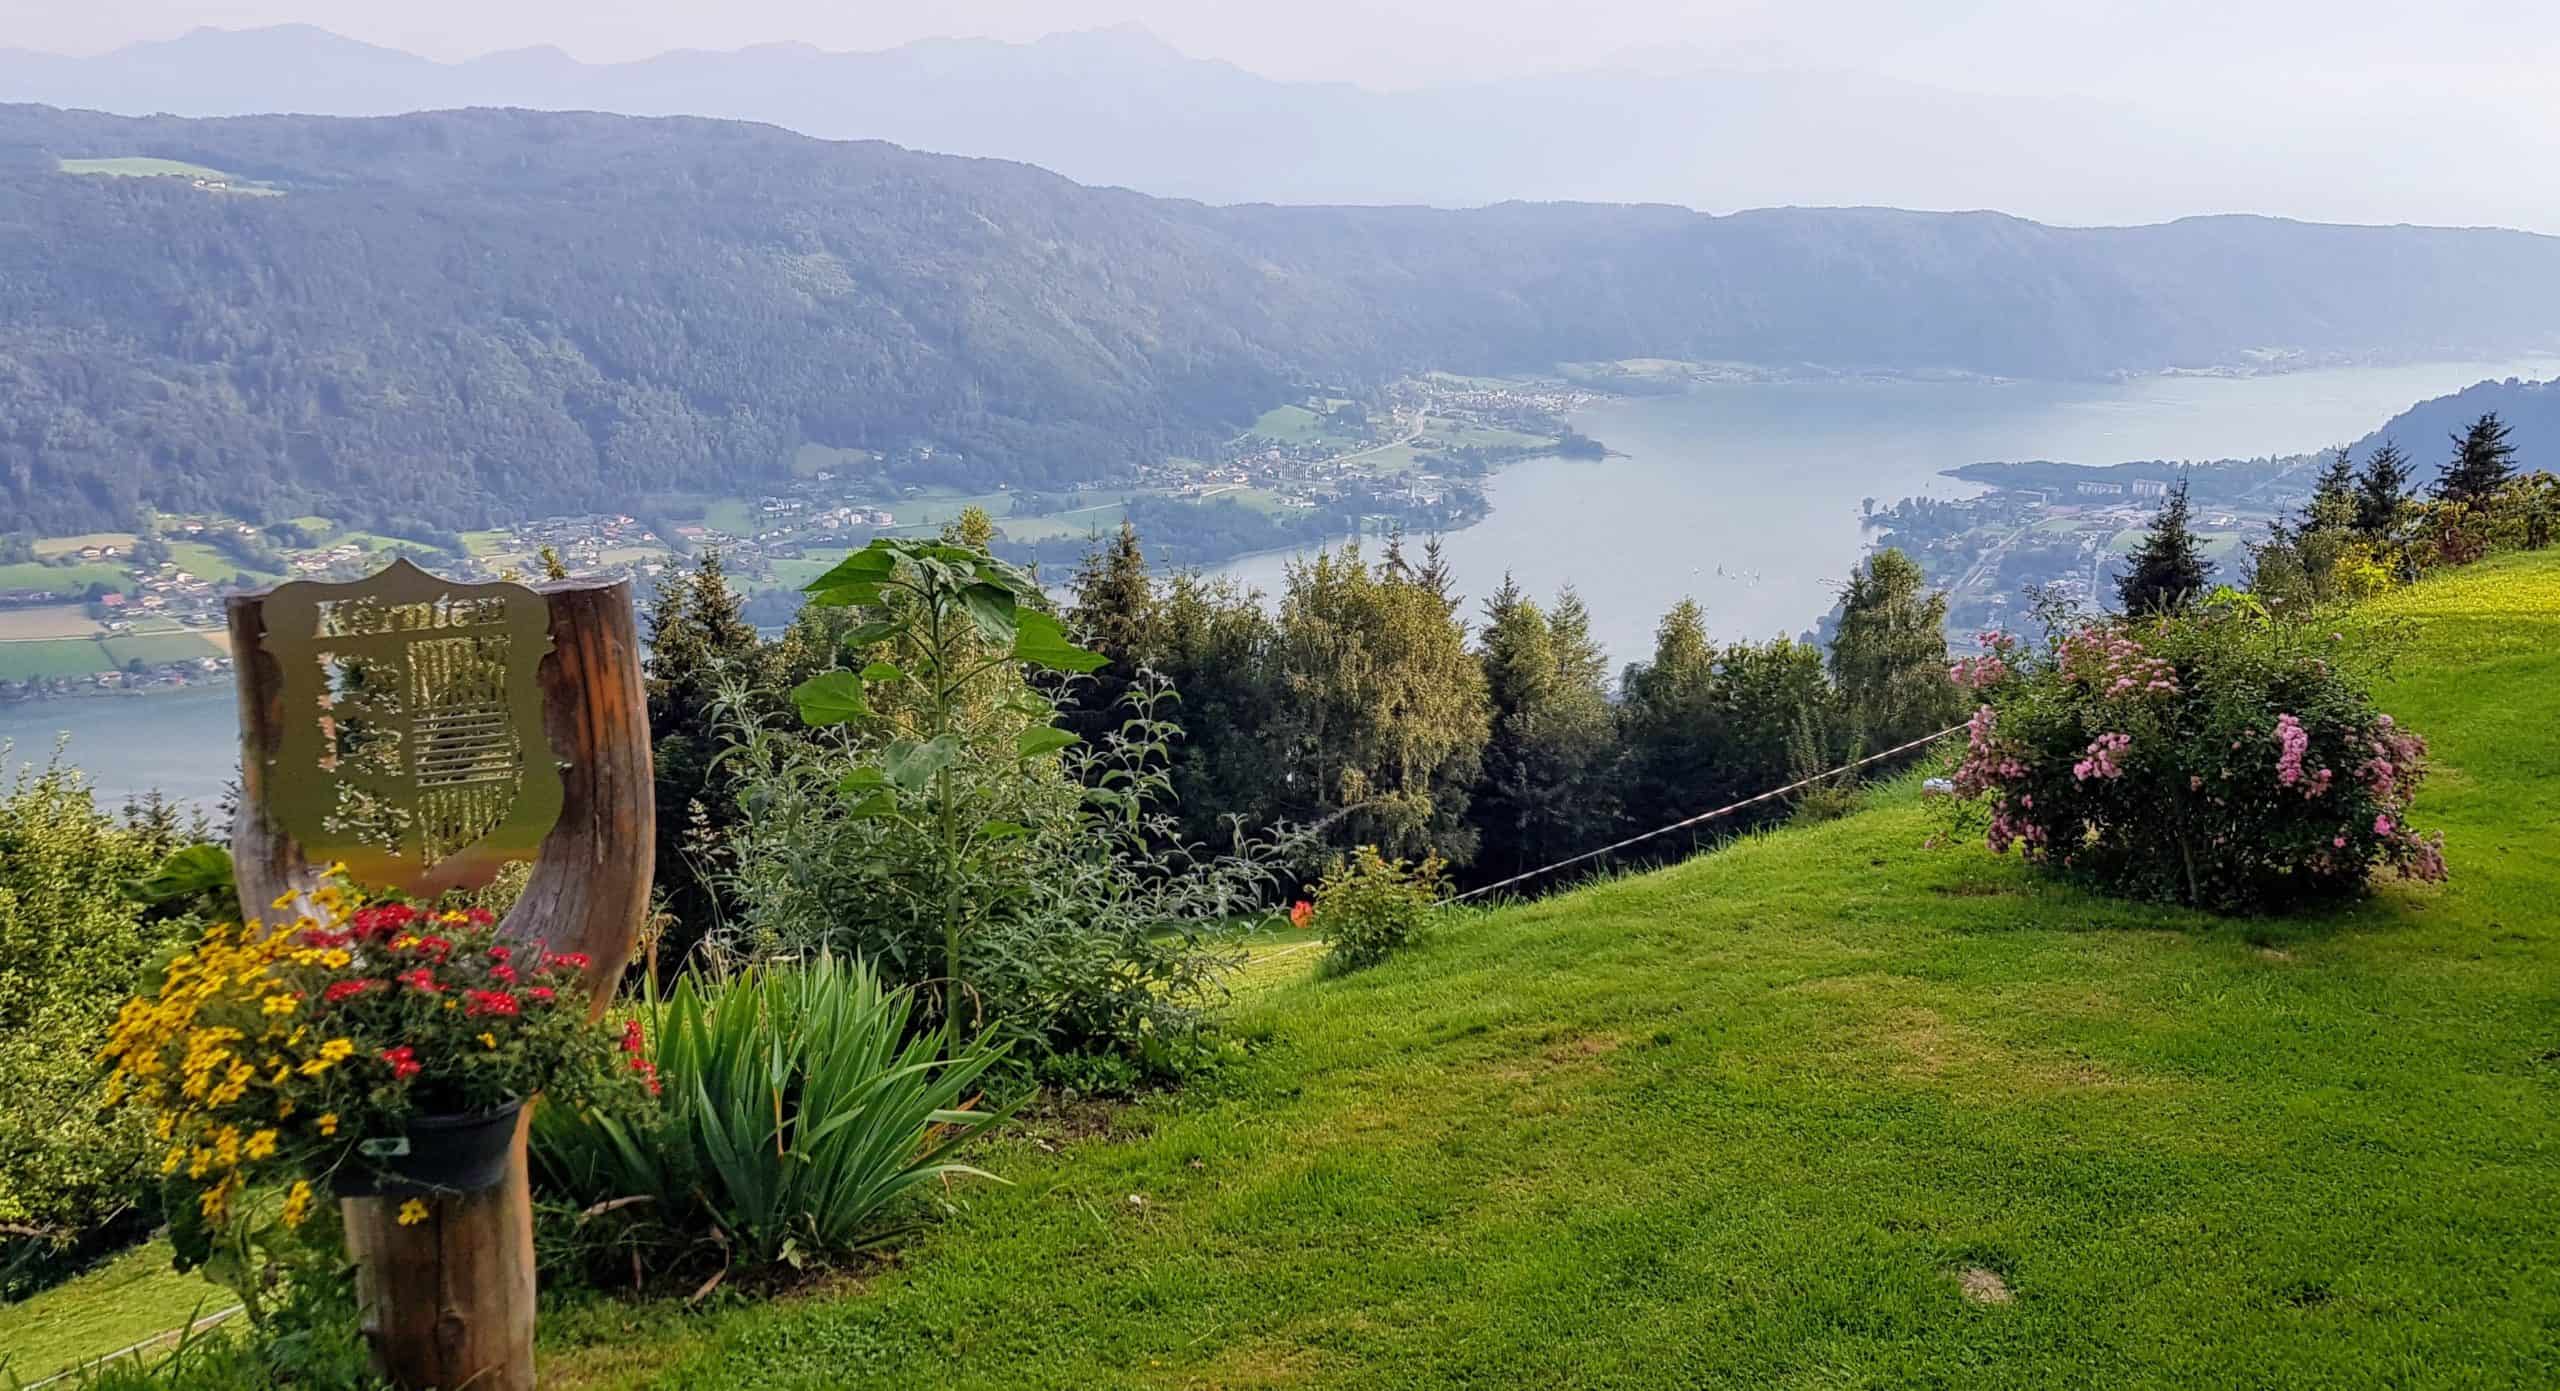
point(412, 744)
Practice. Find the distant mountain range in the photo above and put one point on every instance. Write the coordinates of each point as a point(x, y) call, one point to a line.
point(451, 317)
point(1118, 107)
point(2426, 431)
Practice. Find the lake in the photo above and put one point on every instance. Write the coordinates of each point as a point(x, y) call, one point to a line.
point(1746, 497)
point(1743, 497)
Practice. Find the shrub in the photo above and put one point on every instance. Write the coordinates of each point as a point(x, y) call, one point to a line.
point(800, 1107)
point(1368, 906)
point(73, 945)
point(267, 1060)
point(2225, 760)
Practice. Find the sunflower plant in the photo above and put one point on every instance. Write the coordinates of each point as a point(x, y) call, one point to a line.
point(267, 1060)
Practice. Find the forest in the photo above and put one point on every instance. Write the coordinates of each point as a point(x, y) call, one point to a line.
point(451, 318)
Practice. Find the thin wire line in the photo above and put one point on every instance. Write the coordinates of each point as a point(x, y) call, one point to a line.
point(1711, 815)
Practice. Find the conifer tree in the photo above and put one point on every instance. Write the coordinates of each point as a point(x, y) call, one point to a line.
point(2333, 495)
point(2483, 462)
point(2380, 491)
point(1543, 793)
point(2167, 572)
point(700, 646)
point(1112, 611)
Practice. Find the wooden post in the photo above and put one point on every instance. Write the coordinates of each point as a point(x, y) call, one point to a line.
point(449, 1302)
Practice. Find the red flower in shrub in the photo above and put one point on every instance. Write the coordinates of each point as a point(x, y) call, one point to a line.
point(541, 995)
point(480, 917)
point(567, 961)
point(502, 952)
point(504, 975)
point(421, 980)
point(631, 1039)
point(436, 947)
point(345, 990)
point(1301, 913)
point(496, 1002)
point(384, 919)
point(403, 1060)
point(324, 940)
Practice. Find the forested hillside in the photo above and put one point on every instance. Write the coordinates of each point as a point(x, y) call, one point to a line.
point(2426, 431)
point(455, 316)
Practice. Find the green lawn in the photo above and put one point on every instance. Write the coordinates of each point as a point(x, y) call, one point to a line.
point(51, 657)
point(68, 581)
point(1755, 1121)
point(124, 1301)
point(143, 167)
point(1825, 1109)
point(207, 563)
point(52, 546)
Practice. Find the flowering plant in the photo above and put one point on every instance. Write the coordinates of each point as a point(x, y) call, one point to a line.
point(2224, 759)
point(268, 1057)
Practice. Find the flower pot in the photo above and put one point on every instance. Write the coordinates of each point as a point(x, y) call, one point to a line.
point(435, 1155)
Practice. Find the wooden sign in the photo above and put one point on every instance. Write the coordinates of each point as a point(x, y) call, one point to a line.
point(414, 751)
point(426, 731)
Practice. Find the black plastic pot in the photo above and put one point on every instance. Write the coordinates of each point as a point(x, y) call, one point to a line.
point(436, 1155)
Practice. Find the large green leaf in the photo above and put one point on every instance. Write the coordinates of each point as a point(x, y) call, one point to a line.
point(1039, 639)
point(991, 607)
point(1040, 739)
point(856, 579)
point(830, 698)
point(911, 764)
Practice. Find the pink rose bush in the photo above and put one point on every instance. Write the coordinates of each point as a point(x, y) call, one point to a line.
point(2221, 759)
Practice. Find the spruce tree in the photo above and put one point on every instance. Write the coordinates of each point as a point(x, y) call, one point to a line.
point(1112, 609)
point(700, 646)
point(1543, 794)
point(2483, 462)
point(2333, 495)
point(2380, 490)
point(2167, 573)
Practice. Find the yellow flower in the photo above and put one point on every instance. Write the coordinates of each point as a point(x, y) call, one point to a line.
point(297, 1203)
point(199, 1161)
point(449, 1004)
point(327, 1124)
point(283, 901)
point(336, 958)
point(488, 1040)
point(337, 1048)
point(412, 1213)
point(282, 1004)
point(177, 1155)
point(261, 1145)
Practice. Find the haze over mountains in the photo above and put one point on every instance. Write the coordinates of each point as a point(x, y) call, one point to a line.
point(460, 315)
point(1118, 107)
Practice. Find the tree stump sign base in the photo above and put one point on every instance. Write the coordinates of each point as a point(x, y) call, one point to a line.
point(448, 1302)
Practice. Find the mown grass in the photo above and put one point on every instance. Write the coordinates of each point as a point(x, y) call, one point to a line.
point(129, 1299)
point(1754, 1120)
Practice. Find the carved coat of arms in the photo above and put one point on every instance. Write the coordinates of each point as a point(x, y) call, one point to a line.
point(412, 743)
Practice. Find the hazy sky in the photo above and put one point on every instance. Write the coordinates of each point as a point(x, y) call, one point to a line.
point(2501, 51)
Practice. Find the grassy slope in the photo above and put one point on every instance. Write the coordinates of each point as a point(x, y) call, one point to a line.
point(124, 1301)
point(1744, 1121)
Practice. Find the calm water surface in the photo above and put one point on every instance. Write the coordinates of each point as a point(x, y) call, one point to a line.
point(1742, 497)
point(1746, 498)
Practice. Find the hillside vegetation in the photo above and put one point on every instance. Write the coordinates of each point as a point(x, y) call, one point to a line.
point(1828, 1108)
point(459, 316)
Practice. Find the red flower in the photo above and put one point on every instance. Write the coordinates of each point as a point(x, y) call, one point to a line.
point(568, 961)
point(317, 938)
point(437, 946)
point(504, 975)
point(631, 1040)
point(648, 1073)
point(1301, 913)
point(384, 919)
point(480, 917)
point(496, 1002)
point(421, 980)
point(541, 995)
point(403, 1060)
point(502, 952)
point(345, 990)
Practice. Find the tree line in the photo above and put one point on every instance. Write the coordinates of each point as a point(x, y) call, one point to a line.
point(1370, 704)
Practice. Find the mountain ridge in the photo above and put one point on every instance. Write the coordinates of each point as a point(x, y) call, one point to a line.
point(438, 320)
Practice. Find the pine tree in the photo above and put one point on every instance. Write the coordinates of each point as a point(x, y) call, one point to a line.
point(2333, 495)
point(700, 647)
point(1889, 654)
point(2167, 572)
point(2483, 462)
point(1112, 611)
point(2380, 491)
point(1543, 793)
